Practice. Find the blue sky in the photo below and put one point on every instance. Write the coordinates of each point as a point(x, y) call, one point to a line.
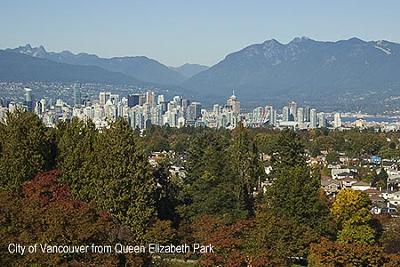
point(179, 31)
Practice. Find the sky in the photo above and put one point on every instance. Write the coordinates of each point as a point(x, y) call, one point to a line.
point(175, 32)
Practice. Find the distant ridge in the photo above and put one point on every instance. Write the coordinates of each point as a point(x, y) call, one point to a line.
point(189, 70)
point(24, 68)
point(138, 67)
point(303, 69)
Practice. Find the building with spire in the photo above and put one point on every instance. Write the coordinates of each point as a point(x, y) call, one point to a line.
point(233, 103)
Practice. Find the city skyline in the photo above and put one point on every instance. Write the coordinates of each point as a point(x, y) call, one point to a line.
point(138, 28)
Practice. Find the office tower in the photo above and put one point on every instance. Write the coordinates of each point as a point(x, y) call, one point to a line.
point(258, 114)
point(160, 99)
point(285, 113)
point(103, 97)
point(133, 100)
point(313, 118)
point(194, 111)
point(216, 109)
point(321, 120)
point(337, 120)
point(114, 98)
point(142, 99)
point(300, 115)
point(292, 111)
point(307, 110)
point(150, 98)
point(43, 105)
point(177, 100)
point(234, 104)
point(185, 104)
point(38, 108)
point(271, 115)
point(77, 96)
point(28, 99)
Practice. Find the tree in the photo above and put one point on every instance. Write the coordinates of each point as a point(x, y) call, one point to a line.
point(210, 187)
point(351, 211)
point(44, 213)
point(391, 238)
point(76, 157)
point(295, 192)
point(288, 152)
point(280, 237)
point(111, 169)
point(328, 253)
point(124, 183)
point(247, 169)
point(26, 147)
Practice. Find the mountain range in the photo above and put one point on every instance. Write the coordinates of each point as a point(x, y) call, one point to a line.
point(303, 69)
point(329, 73)
point(24, 68)
point(138, 67)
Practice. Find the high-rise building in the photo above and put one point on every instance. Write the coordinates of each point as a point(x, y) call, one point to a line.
point(142, 99)
point(194, 111)
point(300, 115)
point(307, 110)
point(321, 120)
point(103, 97)
point(160, 99)
point(150, 98)
point(292, 111)
point(313, 118)
point(77, 96)
point(337, 120)
point(271, 115)
point(133, 100)
point(285, 113)
point(234, 104)
point(43, 105)
point(28, 99)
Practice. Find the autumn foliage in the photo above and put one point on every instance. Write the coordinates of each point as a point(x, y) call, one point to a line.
point(46, 213)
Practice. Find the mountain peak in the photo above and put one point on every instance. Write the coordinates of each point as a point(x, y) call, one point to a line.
point(301, 39)
point(355, 40)
point(272, 42)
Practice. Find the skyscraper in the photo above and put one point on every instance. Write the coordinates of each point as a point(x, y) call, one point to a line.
point(285, 113)
point(300, 115)
point(103, 97)
point(313, 118)
point(133, 100)
point(292, 111)
point(28, 99)
point(234, 103)
point(321, 120)
point(307, 110)
point(77, 96)
point(337, 120)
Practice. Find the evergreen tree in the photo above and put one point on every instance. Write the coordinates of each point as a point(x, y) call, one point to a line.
point(26, 147)
point(210, 186)
point(295, 192)
point(124, 184)
point(76, 157)
point(247, 170)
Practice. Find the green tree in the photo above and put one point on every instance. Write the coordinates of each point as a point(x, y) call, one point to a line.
point(247, 168)
point(76, 157)
point(26, 147)
point(124, 183)
point(210, 187)
point(295, 191)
